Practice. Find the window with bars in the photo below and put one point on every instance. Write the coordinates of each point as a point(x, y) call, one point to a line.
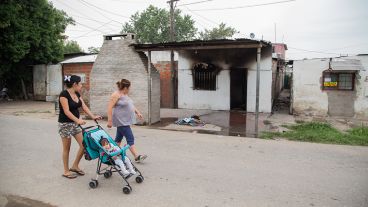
point(204, 77)
point(338, 81)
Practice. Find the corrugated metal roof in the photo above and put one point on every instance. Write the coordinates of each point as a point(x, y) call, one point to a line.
point(81, 59)
point(200, 44)
point(346, 64)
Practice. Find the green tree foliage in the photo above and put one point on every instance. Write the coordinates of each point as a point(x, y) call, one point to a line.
point(94, 50)
point(31, 32)
point(153, 26)
point(71, 46)
point(220, 32)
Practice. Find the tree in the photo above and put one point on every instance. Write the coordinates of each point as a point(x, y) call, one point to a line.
point(94, 50)
point(220, 32)
point(71, 46)
point(153, 26)
point(31, 32)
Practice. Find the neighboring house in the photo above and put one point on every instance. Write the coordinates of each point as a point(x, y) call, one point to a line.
point(47, 82)
point(278, 68)
point(117, 60)
point(221, 74)
point(331, 87)
point(81, 66)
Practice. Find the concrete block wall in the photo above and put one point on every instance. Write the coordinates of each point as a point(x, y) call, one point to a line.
point(117, 60)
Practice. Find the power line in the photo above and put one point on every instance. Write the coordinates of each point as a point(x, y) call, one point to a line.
point(314, 51)
point(198, 2)
point(83, 35)
point(246, 6)
point(107, 11)
point(203, 17)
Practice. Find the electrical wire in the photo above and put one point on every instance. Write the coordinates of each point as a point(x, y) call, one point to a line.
point(198, 2)
point(246, 6)
point(106, 11)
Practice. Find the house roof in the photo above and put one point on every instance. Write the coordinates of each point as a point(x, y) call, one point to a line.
point(282, 44)
point(203, 45)
point(81, 59)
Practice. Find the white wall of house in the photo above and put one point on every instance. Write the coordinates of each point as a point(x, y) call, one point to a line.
point(307, 94)
point(159, 56)
point(200, 99)
point(361, 101)
point(265, 90)
point(308, 97)
point(220, 99)
point(47, 82)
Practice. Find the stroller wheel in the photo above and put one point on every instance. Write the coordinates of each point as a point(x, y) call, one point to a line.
point(139, 179)
point(127, 189)
point(107, 174)
point(93, 184)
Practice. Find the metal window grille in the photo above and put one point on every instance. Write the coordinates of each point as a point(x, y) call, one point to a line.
point(204, 77)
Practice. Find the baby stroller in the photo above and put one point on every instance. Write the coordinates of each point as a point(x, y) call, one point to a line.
point(93, 150)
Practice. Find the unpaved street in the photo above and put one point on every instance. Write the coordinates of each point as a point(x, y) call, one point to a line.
point(186, 169)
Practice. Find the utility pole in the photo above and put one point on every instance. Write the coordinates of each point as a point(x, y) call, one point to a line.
point(172, 39)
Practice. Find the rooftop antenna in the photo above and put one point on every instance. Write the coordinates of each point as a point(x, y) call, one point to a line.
point(275, 32)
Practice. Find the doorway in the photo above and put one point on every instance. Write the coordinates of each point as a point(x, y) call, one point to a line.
point(238, 89)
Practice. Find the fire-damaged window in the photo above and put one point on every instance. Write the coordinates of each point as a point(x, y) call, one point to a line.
point(338, 81)
point(204, 77)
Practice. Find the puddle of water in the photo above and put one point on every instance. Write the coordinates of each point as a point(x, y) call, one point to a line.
point(232, 123)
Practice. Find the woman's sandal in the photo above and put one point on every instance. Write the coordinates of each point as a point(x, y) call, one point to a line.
point(79, 172)
point(140, 158)
point(70, 176)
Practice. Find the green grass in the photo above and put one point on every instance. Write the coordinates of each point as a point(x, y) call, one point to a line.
point(322, 133)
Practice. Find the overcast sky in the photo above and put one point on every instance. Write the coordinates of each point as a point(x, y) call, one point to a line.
point(310, 28)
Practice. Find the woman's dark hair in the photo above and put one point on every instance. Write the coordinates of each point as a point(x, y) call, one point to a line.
point(124, 83)
point(69, 80)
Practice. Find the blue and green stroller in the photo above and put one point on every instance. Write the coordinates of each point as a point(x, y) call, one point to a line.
point(93, 150)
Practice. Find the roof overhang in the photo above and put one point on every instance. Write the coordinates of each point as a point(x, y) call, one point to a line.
point(202, 45)
point(340, 64)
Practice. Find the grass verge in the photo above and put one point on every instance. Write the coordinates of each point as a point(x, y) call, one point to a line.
point(322, 133)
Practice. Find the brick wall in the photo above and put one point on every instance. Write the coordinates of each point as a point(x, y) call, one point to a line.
point(80, 69)
point(117, 60)
point(164, 67)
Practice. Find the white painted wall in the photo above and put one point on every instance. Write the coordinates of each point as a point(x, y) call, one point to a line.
point(308, 96)
point(361, 102)
point(265, 90)
point(220, 99)
point(200, 99)
point(54, 81)
point(158, 56)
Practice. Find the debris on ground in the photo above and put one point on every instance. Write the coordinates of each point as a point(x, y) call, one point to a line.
point(191, 121)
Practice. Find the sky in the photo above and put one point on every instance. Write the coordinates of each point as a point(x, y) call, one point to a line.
point(310, 28)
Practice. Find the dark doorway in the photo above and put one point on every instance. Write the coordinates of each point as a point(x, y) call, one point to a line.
point(238, 89)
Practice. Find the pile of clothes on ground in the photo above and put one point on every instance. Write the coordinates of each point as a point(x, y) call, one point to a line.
point(191, 121)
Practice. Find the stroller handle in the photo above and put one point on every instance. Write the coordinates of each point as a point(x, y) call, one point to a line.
point(85, 128)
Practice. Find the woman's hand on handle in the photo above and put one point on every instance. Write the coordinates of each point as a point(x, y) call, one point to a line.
point(81, 122)
point(97, 117)
point(109, 124)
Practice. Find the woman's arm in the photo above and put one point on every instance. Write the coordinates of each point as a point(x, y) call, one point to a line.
point(70, 115)
point(113, 99)
point(140, 116)
point(88, 111)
